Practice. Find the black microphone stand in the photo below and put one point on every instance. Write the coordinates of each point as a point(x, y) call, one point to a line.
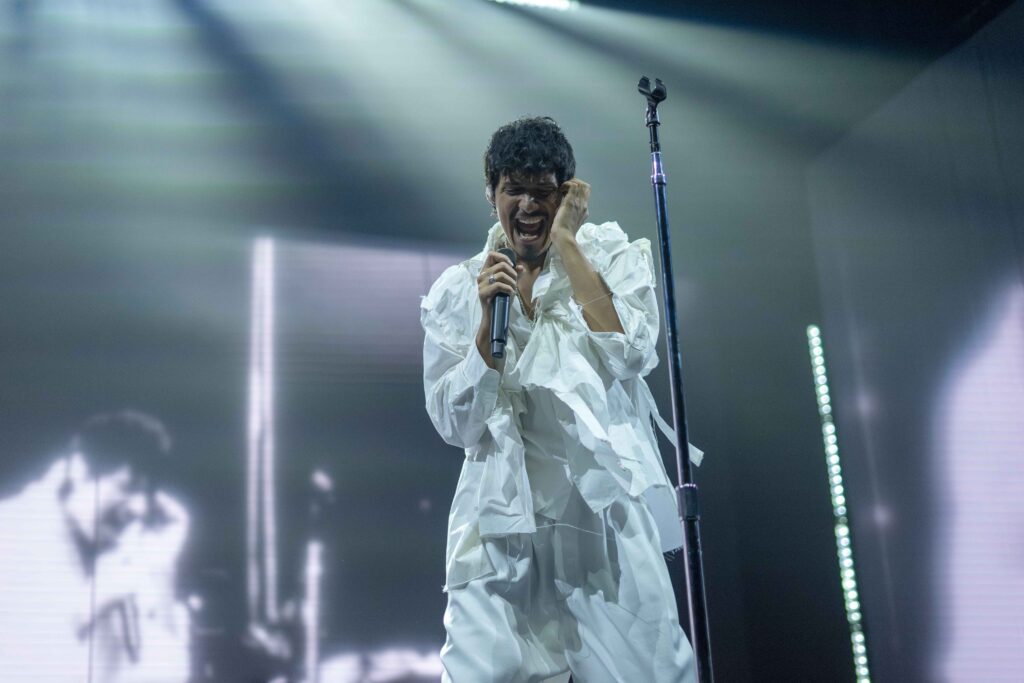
point(686, 491)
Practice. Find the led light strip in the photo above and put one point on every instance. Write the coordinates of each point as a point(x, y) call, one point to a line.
point(847, 573)
point(560, 5)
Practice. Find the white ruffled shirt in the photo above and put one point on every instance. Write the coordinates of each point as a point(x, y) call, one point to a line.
point(571, 405)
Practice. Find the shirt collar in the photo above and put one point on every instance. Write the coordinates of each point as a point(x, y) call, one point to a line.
point(552, 277)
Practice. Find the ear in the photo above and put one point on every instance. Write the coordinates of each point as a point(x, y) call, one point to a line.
point(489, 194)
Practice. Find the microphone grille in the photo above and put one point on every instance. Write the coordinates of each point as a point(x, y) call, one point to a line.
point(508, 252)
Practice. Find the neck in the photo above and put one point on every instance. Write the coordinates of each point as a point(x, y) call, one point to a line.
point(533, 266)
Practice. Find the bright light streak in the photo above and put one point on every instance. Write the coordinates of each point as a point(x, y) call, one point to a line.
point(560, 5)
point(386, 665)
point(844, 551)
point(311, 610)
point(978, 436)
point(261, 521)
point(267, 409)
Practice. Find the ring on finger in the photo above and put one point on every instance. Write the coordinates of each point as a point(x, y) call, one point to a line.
point(490, 279)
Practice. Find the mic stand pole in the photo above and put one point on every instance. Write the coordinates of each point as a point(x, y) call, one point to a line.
point(686, 491)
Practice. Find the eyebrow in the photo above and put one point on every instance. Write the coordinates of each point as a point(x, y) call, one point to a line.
point(517, 182)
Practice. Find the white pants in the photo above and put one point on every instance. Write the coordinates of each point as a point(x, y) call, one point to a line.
point(589, 594)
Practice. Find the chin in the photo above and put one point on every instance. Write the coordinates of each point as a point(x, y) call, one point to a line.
point(533, 251)
point(526, 252)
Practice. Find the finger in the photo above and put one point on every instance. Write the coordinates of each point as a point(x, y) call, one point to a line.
point(506, 278)
point(490, 291)
point(500, 268)
point(502, 278)
point(171, 508)
point(505, 267)
point(497, 258)
point(577, 193)
point(492, 258)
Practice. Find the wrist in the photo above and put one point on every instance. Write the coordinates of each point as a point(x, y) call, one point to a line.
point(561, 237)
point(483, 344)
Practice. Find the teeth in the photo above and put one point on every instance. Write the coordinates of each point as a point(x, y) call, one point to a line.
point(529, 228)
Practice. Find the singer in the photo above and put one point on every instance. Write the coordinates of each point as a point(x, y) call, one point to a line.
point(89, 562)
point(563, 506)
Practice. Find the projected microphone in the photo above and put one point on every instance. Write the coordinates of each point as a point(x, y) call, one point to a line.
point(499, 315)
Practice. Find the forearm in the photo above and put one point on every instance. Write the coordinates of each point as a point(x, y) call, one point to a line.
point(588, 288)
point(483, 343)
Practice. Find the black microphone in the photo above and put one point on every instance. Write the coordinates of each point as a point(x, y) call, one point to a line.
point(499, 315)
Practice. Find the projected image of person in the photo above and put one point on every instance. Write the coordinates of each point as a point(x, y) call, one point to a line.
point(88, 556)
point(563, 507)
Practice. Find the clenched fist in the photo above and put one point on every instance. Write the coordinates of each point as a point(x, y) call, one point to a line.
point(573, 211)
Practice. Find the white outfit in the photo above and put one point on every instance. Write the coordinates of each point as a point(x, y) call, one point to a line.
point(59, 624)
point(563, 506)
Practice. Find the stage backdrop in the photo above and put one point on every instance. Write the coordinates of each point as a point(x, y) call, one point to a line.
point(918, 220)
point(221, 215)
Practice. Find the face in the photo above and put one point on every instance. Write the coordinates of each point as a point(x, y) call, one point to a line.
point(99, 507)
point(526, 206)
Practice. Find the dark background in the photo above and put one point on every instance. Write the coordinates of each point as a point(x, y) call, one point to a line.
point(144, 146)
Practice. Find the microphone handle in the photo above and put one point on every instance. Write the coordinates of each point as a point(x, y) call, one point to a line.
point(499, 325)
point(499, 314)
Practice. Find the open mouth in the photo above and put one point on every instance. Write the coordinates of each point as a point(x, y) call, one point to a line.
point(529, 229)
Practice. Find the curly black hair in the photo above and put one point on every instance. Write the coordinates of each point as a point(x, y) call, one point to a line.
point(529, 145)
point(130, 437)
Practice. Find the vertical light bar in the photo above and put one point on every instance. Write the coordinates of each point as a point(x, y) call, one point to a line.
point(261, 506)
point(847, 571)
point(269, 471)
point(253, 575)
point(311, 610)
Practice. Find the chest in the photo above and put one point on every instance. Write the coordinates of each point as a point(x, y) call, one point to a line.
point(525, 283)
point(525, 292)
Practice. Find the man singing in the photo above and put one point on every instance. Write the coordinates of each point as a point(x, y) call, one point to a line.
point(563, 506)
point(88, 563)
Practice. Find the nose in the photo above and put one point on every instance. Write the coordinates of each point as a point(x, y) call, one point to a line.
point(528, 202)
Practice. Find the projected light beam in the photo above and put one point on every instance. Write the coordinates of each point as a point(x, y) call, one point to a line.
point(847, 572)
point(561, 5)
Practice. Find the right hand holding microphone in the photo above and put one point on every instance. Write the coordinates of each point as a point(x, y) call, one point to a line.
point(498, 276)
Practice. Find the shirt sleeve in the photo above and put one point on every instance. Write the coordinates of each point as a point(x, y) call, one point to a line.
point(628, 271)
point(461, 390)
